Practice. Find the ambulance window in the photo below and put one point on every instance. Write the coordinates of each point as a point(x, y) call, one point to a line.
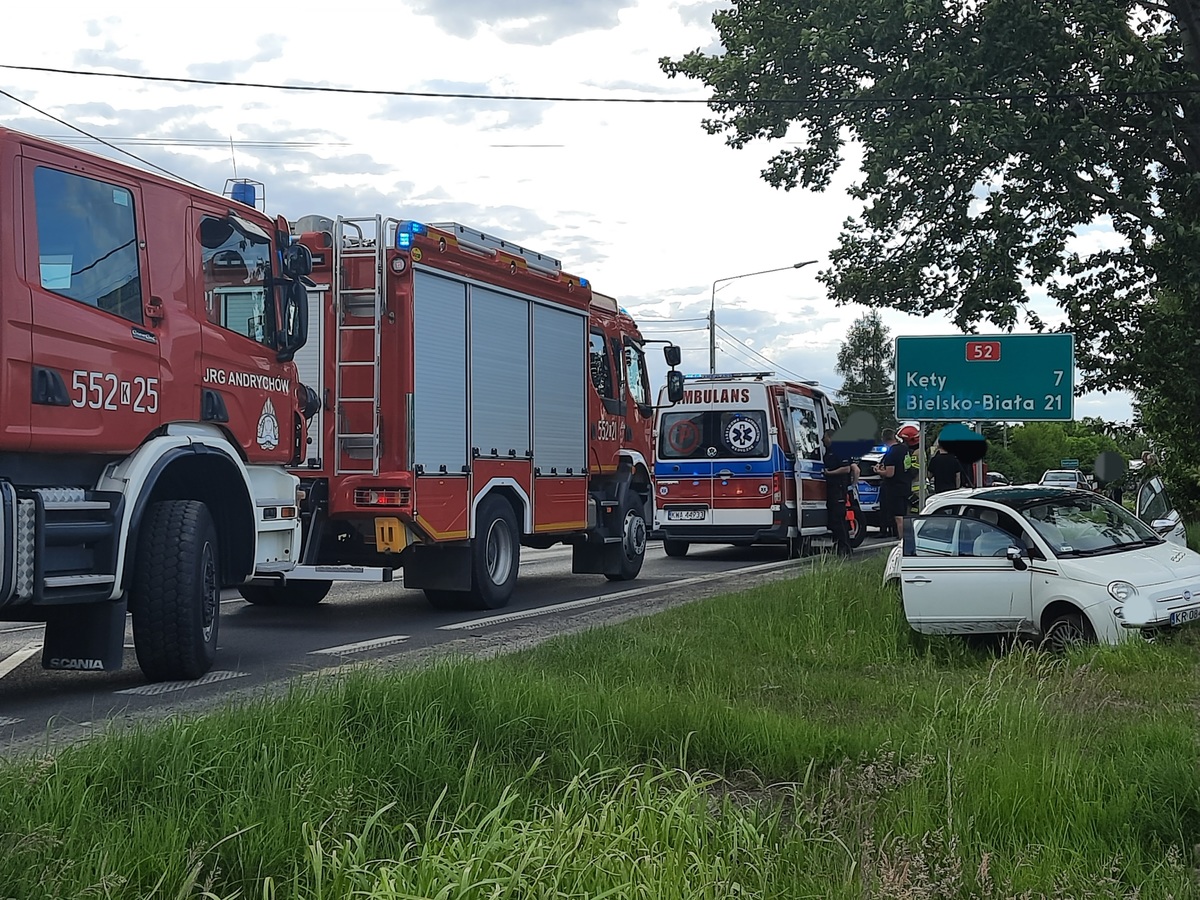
point(237, 280)
point(87, 242)
point(806, 433)
point(635, 374)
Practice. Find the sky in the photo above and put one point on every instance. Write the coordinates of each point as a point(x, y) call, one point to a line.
point(636, 197)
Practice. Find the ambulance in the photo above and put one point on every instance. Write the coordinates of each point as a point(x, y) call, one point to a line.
point(738, 461)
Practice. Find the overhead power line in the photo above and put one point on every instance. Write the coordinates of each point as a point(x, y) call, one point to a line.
point(878, 102)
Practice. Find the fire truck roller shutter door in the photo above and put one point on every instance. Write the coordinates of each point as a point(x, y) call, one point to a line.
point(559, 391)
point(500, 374)
point(440, 373)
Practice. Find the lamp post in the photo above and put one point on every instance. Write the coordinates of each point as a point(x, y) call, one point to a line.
point(712, 309)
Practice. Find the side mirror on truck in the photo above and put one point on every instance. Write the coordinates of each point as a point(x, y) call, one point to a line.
point(297, 261)
point(675, 385)
point(672, 354)
point(294, 333)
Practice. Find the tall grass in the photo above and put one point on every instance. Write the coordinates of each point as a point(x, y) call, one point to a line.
point(791, 741)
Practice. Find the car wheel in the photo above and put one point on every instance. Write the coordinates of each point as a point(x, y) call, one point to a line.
point(676, 549)
point(1067, 631)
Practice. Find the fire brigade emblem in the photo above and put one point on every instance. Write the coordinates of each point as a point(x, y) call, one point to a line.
point(741, 435)
point(268, 427)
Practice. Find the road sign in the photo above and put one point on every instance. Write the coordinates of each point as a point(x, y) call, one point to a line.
point(1068, 463)
point(993, 378)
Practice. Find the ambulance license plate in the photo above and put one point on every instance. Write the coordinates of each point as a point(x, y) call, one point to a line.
point(685, 515)
point(1185, 615)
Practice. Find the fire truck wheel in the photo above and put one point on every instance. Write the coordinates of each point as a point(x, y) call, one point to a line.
point(677, 549)
point(298, 593)
point(633, 539)
point(175, 597)
point(495, 554)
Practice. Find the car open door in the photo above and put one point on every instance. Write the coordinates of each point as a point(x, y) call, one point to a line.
point(957, 577)
point(1154, 508)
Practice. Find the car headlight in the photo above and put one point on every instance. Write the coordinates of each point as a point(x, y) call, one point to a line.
point(1121, 591)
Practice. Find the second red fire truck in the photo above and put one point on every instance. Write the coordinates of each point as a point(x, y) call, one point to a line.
point(475, 399)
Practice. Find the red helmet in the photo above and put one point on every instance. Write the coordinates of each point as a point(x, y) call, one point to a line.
point(910, 434)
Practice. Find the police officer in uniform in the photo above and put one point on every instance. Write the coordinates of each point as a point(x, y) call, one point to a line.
point(837, 483)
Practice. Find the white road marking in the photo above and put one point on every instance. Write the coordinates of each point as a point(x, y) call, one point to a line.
point(12, 662)
point(166, 687)
point(603, 598)
point(363, 645)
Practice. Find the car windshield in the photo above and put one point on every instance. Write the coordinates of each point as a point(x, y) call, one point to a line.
point(1084, 524)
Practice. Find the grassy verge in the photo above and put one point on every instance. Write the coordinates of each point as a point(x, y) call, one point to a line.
point(788, 742)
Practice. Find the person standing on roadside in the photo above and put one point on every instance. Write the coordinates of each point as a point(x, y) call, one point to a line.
point(837, 483)
point(946, 470)
point(893, 485)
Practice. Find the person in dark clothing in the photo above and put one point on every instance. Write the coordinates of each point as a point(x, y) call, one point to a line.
point(946, 470)
point(894, 485)
point(837, 483)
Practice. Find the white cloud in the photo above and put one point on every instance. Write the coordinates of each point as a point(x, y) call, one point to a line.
point(635, 197)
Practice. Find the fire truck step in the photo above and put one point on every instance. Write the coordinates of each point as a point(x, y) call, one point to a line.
point(61, 581)
point(76, 504)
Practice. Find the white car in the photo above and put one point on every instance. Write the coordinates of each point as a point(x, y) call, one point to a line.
point(1065, 478)
point(1063, 566)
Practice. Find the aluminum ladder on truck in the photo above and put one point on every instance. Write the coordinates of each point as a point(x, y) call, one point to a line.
point(359, 259)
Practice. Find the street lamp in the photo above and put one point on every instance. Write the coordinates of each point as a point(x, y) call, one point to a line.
point(712, 309)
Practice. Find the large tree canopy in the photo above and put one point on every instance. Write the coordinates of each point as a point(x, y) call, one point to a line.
point(999, 138)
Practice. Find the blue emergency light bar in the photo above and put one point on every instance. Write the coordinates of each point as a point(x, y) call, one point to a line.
point(406, 231)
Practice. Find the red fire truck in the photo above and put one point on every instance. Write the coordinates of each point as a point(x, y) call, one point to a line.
point(475, 399)
point(151, 407)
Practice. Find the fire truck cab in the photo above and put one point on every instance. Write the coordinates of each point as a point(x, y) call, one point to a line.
point(738, 461)
point(150, 405)
point(475, 399)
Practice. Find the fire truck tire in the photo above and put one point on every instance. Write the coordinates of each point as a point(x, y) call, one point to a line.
point(298, 593)
point(677, 549)
point(175, 597)
point(495, 554)
point(633, 539)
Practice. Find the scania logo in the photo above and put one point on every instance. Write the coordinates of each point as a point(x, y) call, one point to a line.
point(64, 663)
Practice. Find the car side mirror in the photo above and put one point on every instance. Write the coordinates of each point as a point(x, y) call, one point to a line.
point(1162, 525)
point(1017, 557)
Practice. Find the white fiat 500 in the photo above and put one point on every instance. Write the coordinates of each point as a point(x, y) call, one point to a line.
point(1065, 566)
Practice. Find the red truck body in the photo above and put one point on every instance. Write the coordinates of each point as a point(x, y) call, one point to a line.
point(149, 405)
point(475, 399)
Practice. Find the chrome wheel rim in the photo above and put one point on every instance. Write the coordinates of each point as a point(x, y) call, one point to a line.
point(498, 552)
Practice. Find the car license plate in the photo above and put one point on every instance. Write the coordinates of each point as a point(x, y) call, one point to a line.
point(1185, 615)
point(685, 515)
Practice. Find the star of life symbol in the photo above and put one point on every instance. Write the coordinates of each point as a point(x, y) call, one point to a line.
point(741, 435)
point(268, 427)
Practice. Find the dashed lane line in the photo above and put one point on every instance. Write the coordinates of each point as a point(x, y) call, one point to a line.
point(167, 687)
point(361, 646)
point(12, 662)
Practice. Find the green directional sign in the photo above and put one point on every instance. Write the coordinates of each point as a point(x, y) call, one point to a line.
point(997, 378)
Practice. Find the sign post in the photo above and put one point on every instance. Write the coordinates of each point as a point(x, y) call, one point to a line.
point(997, 378)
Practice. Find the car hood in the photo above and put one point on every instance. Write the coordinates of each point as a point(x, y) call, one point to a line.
point(1142, 566)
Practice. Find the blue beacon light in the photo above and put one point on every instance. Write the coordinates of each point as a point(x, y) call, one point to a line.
point(406, 231)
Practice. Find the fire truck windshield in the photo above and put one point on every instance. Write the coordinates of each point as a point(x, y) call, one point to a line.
point(713, 434)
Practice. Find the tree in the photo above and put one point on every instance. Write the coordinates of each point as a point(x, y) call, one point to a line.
point(865, 362)
point(994, 134)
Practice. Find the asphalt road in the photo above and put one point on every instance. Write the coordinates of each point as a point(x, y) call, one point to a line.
point(262, 648)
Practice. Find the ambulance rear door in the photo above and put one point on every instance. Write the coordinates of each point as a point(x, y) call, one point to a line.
point(805, 426)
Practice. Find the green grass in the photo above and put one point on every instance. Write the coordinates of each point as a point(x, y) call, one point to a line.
point(792, 741)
